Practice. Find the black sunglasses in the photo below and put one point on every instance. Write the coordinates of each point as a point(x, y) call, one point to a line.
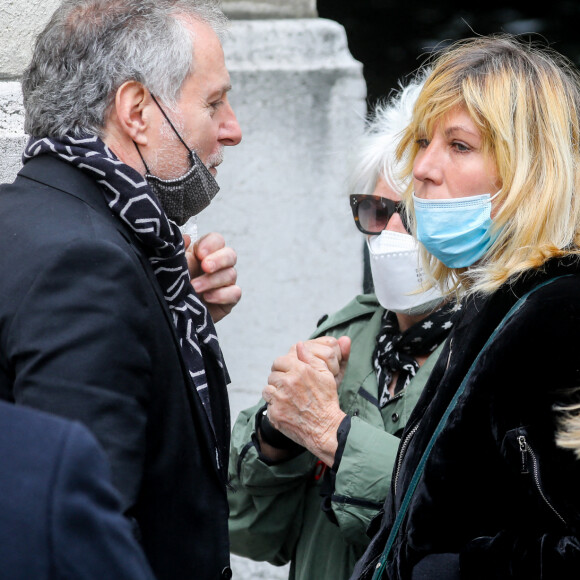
point(372, 212)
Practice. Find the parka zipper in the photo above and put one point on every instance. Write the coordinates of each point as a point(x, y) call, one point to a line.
point(402, 449)
point(526, 450)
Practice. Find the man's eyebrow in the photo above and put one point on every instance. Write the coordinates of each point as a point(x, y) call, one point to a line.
point(221, 91)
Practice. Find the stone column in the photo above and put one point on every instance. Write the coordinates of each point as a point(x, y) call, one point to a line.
point(300, 99)
point(240, 9)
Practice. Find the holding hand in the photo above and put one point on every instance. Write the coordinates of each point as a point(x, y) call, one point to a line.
point(213, 276)
point(302, 394)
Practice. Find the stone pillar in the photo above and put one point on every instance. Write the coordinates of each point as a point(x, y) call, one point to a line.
point(241, 9)
point(300, 99)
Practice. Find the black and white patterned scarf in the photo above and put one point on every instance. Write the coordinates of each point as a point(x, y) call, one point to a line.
point(130, 198)
point(395, 351)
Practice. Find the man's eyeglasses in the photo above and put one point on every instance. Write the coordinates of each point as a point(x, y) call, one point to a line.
point(372, 212)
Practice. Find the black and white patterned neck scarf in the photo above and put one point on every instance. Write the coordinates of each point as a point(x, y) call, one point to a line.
point(131, 199)
point(395, 351)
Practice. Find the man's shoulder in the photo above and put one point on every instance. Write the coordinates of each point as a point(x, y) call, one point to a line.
point(361, 308)
point(48, 175)
point(54, 204)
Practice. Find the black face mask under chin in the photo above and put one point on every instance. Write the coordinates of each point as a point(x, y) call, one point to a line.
point(185, 196)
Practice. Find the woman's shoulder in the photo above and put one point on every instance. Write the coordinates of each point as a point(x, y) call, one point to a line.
point(359, 310)
point(544, 309)
point(554, 286)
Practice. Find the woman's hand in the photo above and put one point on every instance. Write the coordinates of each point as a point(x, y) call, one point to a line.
point(302, 394)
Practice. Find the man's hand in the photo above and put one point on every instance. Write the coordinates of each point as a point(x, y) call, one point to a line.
point(213, 276)
point(302, 394)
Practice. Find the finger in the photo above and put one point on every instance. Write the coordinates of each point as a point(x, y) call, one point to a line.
point(323, 349)
point(329, 355)
point(326, 340)
point(322, 364)
point(193, 264)
point(227, 297)
point(292, 351)
point(208, 244)
point(220, 279)
point(268, 393)
point(221, 259)
point(304, 355)
point(219, 311)
point(276, 379)
point(284, 363)
point(344, 343)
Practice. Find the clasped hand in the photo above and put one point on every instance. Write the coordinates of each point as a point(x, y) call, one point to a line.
point(302, 394)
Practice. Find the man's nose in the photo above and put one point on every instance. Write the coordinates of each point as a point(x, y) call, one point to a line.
point(230, 130)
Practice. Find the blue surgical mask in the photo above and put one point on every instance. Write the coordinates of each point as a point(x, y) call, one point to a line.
point(456, 231)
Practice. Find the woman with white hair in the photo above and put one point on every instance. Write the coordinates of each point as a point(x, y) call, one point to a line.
point(308, 497)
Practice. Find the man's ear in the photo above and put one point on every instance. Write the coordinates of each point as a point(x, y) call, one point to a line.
point(132, 105)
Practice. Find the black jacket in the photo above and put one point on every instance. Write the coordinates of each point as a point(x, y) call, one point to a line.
point(498, 498)
point(60, 516)
point(85, 333)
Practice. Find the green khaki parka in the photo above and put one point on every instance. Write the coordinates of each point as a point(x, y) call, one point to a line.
point(276, 510)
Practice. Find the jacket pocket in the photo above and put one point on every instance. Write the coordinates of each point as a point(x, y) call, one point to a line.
point(519, 450)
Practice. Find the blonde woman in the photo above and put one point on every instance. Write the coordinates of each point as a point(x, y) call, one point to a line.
point(481, 489)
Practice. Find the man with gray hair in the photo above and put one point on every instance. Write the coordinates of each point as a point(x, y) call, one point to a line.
point(126, 105)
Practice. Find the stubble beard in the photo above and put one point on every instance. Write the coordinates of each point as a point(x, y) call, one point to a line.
point(166, 154)
point(215, 159)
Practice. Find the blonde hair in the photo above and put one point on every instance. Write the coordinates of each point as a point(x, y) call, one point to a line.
point(525, 101)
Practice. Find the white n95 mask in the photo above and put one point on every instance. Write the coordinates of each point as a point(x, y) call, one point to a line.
point(397, 274)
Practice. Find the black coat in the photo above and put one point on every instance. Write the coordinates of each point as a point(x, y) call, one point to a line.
point(85, 333)
point(60, 516)
point(497, 496)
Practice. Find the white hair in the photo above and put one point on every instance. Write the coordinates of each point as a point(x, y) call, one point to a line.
point(91, 47)
point(375, 153)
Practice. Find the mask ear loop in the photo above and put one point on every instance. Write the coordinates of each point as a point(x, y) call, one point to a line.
point(172, 127)
point(169, 121)
point(139, 151)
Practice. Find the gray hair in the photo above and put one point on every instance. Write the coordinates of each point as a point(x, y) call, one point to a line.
point(375, 153)
point(90, 48)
